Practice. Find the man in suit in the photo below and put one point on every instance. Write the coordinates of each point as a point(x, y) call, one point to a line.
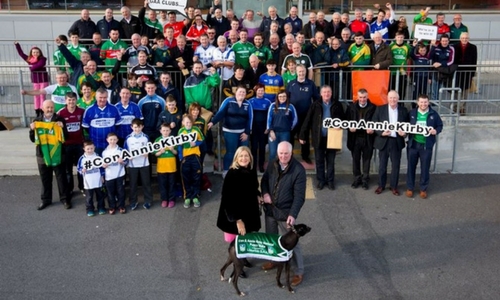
point(252, 73)
point(311, 27)
point(390, 143)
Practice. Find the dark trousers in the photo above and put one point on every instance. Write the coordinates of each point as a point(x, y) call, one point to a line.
point(89, 199)
point(305, 149)
point(191, 176)
point(46, 175)
point(72, 155)
point(390, 151)
point(144, 174)
point(415, 152)
point(166, 183)
point(258, 141)
point(280, 227)
point(322, 154)
point(362, 152)
point(116, 192)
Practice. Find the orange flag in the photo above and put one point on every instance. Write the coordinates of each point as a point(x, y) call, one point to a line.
point(376, 82)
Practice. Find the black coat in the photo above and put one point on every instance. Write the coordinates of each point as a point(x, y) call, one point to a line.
point(253, 77)
point(130, 28)
point(239, 201)
point(467, 57)
point(103, 27)
point(352, 114)
point(381, 115)
point(84, 28)
point(314, 120)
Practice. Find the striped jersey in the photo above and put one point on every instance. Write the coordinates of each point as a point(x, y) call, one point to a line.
point(127, 114)
point(58, 94)
point(273, 84)
point(50, 138)
point(100, 122)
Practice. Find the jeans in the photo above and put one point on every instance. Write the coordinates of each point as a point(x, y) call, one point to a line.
point(232, 142)
point(273, 145)
point(415, 152)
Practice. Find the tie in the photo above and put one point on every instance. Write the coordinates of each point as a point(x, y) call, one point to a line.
point(376, 47)
point(312, 30)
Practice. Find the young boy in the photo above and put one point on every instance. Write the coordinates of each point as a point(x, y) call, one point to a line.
point(135, 89)
point(114, 175)
point(189, 156)
point(272, 81)
point(138, 166)
point(172, 116)
point(290, 73)
point(161, 56)
point(421, 78)
point(166, 169)
point(92, 179)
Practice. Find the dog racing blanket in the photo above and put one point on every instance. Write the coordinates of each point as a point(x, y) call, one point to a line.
point(261, 245)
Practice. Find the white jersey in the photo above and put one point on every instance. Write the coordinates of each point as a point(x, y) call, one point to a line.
point(133, 143)
point(205, 55)
point(226, 55)
point(116, 169)
point(91, 177)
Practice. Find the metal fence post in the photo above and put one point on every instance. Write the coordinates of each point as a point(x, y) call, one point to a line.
point(23, 103)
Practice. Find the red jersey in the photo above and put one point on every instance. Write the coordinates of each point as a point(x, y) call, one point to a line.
point(194, 33)
point(73, 124)
point(177, 26)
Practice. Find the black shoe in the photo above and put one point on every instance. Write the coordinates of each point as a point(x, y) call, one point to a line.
point(365, 185)
point(331, 186)
point(320, 185)
point(67, 205)
point(43, 206)
point(261, 169)
point(355, 184)
point(307, 160)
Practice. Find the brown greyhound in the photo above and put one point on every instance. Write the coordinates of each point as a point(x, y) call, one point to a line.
point(288, 242)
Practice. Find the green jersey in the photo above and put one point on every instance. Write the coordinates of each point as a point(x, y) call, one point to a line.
point(359, 55)
point(109, 50)
point(81, 103)
point(263, 53)
point(422, 121)
point(58, 94)
point(287, 77)
point(242, 52)
point(400, 55)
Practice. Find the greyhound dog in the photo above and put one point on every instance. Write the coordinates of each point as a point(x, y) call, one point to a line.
point(288, 242)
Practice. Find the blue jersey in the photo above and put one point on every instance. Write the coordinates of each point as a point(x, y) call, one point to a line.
point(100, 122)
point(127, 114)
point(383, 28)
point(283, 120)
point(272, 85)
point(237, 119)
point(151, 107)
point(260, 107)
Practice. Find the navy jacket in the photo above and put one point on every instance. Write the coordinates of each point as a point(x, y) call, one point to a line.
point(433, 120)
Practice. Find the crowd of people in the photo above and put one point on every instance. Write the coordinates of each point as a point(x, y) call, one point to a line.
point(264, 66)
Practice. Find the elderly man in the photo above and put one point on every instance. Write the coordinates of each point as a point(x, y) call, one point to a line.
point(249, 23)
point(466, 58)
point(294, 20)
point(130, 24)
point(300, 58)
point(150, 26)
point(57, 91)
point(220, 23)
point(283, 188)
point(337, 25)
point(381, 53)
point(328, 107)
point(311, 27)
point(223, 59)
point(273, 16)
point(390, 143)
point(252, 73)
point(85, 26)
point(48, 132)
point(457, 28)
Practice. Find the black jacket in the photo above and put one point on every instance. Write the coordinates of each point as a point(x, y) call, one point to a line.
point(239, 201)
point(381, 115)
point(129, 28)
point(352, 114)
point(253, 77)
point(103, 27)
point(287, 188)
point(314, 120)
point(220, 27)
point(84, 28)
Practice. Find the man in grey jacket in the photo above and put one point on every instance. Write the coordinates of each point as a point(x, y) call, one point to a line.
point(283, 188)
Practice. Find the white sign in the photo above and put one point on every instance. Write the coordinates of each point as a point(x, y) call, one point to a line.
point(169, 5)
point(425, 32)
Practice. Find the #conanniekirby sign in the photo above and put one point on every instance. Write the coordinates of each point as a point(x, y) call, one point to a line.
point(169, 5)
point(379, 126)
point(425, 32)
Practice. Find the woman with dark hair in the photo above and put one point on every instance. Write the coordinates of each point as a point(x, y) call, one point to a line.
point(399, 25)
point(258, 137)
point(281, 119)
point(39, 75)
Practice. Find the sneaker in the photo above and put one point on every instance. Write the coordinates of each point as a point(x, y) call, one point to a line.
point(196, 202)
point(112, 211)
point(102, 211)
point(164, 203)
point(90, 213)
point(187, 203)
point(171, 203)
point(122, 210)
point(147, 205)
point(133, 206)
point(83, 192)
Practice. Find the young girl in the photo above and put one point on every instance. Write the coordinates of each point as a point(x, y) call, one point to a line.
point(189, 155)
point(201, 124)
point(281, 119)
point(39, 75)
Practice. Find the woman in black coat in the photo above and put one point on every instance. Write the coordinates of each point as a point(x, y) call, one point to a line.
point(239, 208)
